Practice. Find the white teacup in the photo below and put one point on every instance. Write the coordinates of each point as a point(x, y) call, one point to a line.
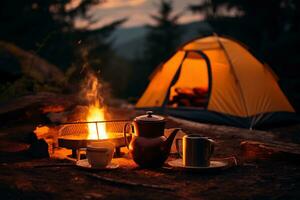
point(100, 154)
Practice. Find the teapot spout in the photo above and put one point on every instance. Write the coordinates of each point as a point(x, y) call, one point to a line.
point(169, 141)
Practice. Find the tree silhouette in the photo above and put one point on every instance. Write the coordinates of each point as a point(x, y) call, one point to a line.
point(163, 36)
point(207, 8)
point(162, 39)
point(47, 27)
point(259, 21)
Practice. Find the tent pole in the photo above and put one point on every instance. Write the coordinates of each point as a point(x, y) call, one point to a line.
point(175, 78)
point(209, 75)
point(234, 74)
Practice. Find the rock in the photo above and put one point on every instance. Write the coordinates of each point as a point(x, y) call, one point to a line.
point(12, 146)
point(39, 149)
point(34, 66)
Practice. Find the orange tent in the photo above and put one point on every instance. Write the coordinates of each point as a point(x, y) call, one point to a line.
point(216, 79)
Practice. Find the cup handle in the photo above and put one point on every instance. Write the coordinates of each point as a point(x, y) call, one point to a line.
point(125, 134)
point(177, 146)
point(212, 146)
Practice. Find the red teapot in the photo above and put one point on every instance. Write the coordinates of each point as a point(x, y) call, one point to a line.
point(148, 146)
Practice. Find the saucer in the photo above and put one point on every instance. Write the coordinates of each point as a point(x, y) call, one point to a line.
point(214, 164)
point(84, 164)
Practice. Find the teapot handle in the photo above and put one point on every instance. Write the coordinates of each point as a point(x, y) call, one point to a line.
point(125, 135)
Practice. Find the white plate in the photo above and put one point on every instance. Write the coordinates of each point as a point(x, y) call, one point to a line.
point(214, 164)
point(85, 165)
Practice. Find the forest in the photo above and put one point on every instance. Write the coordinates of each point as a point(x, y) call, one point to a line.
point(41, 36)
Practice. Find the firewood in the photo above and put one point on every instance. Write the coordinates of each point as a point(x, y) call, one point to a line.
point(254, 150)
point(53, 109)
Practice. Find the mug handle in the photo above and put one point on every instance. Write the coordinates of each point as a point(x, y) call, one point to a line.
point(212, 146)
point(125, 134)
point(177, 146)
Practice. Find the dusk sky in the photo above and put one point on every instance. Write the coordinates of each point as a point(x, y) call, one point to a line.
point(137, 11)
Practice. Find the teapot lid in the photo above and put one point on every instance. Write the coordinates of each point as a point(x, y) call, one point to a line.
point(149, 117)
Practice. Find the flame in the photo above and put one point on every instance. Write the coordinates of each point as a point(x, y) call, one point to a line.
point(95, 110)
point(96, 114)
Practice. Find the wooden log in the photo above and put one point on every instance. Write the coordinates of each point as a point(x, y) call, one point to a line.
point(254, 150)
point(222, 131)
point(36, 106)
point(12, 146)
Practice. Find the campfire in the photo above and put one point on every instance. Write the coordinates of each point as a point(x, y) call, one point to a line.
point(94, 125)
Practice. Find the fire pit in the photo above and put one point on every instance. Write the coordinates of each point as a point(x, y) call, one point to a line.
point(92, 124)
point(77, 135)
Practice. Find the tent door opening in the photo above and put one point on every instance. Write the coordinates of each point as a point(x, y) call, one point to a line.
point(193, 85)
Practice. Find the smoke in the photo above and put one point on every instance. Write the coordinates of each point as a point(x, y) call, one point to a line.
point(92, 90)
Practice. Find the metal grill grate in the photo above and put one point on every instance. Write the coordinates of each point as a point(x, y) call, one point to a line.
point(79, 130)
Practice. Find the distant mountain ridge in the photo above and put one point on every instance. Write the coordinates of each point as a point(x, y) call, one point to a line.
point(130, 42)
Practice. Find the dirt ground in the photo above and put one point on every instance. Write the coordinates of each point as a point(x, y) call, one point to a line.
point(22, 177)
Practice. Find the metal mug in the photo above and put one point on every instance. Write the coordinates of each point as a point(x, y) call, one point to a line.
point(196, 150)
